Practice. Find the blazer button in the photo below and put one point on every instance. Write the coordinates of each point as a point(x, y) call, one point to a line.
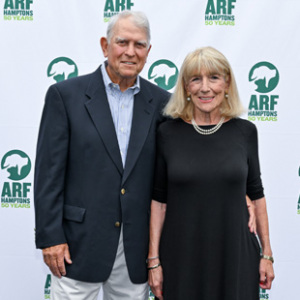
point(123, 191)
point(117, 224)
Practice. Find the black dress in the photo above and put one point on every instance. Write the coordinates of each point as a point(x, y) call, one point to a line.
point(206, 249)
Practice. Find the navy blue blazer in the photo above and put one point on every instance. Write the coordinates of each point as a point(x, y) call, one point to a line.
point(81, 189)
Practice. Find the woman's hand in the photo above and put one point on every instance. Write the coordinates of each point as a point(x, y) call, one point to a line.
point(266, 274)
point(155, 275)
point(155, 280)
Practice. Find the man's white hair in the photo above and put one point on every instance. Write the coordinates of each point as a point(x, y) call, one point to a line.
point(137, 17)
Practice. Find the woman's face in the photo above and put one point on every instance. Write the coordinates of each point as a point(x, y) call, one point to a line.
point(207, 91)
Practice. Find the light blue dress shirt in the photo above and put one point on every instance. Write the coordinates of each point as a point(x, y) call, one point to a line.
point(121, 107)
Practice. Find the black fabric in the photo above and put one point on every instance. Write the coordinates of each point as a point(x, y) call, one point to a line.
point(206, 249)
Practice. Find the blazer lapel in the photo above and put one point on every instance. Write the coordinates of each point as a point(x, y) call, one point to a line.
point(142, 116)
point(100, 113)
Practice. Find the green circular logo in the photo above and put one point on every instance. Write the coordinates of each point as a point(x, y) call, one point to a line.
point(62, 68)
point(265, 76)
point(164, 73)
point(17, 163)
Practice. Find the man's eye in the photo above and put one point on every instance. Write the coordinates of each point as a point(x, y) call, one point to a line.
point(140, 45)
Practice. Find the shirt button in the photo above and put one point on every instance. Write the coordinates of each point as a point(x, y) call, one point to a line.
point(123, 191)
point(117, 224)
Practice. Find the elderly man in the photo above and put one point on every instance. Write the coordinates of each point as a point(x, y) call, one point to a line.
point(94, 171)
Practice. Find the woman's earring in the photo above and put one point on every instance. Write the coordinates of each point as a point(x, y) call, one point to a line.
point(188, 98)
point(226, 95)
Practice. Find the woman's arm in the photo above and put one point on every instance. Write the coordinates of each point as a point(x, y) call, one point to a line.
point(266, 266)
point(157, 218)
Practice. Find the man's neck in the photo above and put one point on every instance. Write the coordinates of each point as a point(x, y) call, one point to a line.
point(124, 83)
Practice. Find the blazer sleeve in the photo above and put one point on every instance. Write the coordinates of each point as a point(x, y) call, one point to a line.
point(50, 170)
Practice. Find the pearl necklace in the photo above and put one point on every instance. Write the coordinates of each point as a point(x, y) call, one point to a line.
point(208, 131)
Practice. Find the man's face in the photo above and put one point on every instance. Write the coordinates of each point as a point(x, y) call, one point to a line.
point(126, 53)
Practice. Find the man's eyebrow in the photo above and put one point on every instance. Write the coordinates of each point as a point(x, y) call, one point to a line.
point(119, 39)
point(141, 42)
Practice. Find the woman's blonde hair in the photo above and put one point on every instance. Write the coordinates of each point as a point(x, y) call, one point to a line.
point(212, 62)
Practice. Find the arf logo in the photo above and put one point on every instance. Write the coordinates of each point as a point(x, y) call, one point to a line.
point(62, 68)
point(18, 10)
point(263, 295)
point(113, 7)
point(220, 12)
point(151, 295)
point(17, 163)
point(264, 78)
point(47, 289)
point(164, 73)
point(17, 166)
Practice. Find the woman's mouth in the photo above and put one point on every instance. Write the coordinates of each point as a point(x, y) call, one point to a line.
point(206, 99)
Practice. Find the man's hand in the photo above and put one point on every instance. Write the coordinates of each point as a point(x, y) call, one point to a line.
point(252, 217)
point(55, 258)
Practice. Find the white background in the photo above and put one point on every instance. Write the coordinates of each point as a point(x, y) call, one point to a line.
point(264, 31)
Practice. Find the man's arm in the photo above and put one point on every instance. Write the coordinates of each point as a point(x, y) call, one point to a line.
point(50, 169)
point(252, 218)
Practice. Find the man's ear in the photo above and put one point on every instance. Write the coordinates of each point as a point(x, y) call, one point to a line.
point(104, 46)
point(149, 49)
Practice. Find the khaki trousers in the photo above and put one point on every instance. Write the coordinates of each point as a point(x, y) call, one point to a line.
point(117, 287)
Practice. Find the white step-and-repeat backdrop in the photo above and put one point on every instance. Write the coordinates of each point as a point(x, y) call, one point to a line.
point(43, 42)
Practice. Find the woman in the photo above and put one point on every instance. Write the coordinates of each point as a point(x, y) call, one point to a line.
point(200, 247)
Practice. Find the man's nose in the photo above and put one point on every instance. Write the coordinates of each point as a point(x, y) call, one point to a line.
point(130, 50)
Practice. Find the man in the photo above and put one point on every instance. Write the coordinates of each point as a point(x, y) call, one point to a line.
point(94, 171)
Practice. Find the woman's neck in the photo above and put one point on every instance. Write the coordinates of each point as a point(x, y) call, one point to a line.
point(203, 118)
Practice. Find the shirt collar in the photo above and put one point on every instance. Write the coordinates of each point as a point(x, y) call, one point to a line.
point(109, 85)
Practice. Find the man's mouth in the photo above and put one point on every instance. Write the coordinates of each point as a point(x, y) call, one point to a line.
point(130, 63)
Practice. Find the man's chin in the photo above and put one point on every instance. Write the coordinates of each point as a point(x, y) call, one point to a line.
point(129, 75)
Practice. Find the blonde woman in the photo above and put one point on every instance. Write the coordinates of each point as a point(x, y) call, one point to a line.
point(207, 160)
